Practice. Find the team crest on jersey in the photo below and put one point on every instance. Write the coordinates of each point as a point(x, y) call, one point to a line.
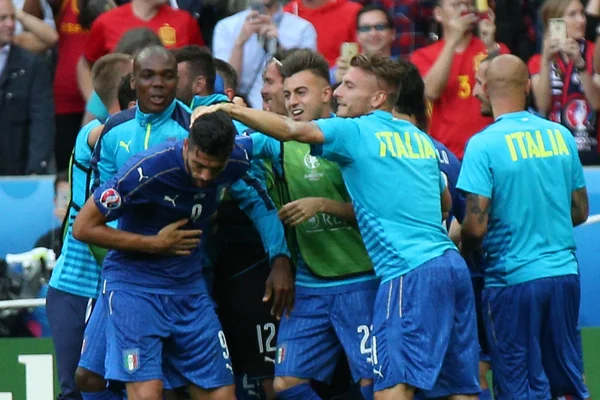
point(110, 199)
point(281, 353)
point(131, 359)
point(167, 35)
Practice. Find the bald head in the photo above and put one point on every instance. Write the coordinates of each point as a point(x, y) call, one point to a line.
point(507, 74)
point(154, 53)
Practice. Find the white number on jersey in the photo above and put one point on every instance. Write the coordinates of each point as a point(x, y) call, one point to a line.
point(196, 212)
point(364, 342)
point(223, 344)
point(268, 344)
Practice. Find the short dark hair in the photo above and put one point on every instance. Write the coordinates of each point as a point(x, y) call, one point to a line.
point(89, 10)
point(126, 93)
point(305, 60)
point(227, 73)
point(201, 63)
point(214, 134)
point(375, 7)
point(134, 40)
point(61, 176)
point(411, 100)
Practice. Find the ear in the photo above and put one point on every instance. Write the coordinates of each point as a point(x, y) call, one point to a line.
point(199, 85)
point(486, 89)
point(230, 93)
point(437, 14)
point(378, 99)
point(185, 145)
point(326, 95)
point(131, 104)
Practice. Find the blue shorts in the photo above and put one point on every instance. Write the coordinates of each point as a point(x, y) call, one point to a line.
point(143, 329)
point(534, 339)
point(93, 348)
point(425, 330)
point(484, 348)
point(324, 323)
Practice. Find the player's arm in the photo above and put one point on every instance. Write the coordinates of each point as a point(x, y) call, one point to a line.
point(298, 211)
point(580, 207)
point(94, 136)
point(474, 226)
point(271, 124)
point(256, 204)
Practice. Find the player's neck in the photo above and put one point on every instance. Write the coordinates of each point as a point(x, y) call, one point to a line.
point(114, 108)
point(314, 3)
point(327, 111)
point(143, 10)
point(507, 105)
point(405, 117)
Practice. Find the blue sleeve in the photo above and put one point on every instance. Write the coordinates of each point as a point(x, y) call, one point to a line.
point(265, 147)
point(103, 159)
point(578, 178)
point(342, 140)
point(96, 107)
point(257, 205)
point(476, 173)
point(443, 181)
point(122, 191)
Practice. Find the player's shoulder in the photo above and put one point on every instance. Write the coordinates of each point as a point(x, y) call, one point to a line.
point(117, 121)
point(182, 115)
point(162, 158)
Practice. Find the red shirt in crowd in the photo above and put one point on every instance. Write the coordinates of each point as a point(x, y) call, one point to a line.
point(335, 23)
point(176, 28)
point(71, 43)
point(455, 115)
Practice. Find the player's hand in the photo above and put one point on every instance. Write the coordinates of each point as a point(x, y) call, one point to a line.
point(550, 48)
point(238, 101)
point(280, 287)
point(298, 211)
point(458, 26)
point(573, 50)
point(199, 111)
point(175, 241)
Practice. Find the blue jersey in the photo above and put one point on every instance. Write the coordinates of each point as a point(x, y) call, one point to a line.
point(528, 167)
point(131, 131)
point(76, 270)
point(450, 166)
point(152, 190)
point(393, 176)
point(267, 148)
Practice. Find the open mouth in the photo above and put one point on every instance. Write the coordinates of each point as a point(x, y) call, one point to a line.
point(296, 113)
point(157, 100)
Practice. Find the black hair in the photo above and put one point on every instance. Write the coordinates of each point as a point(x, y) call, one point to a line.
point(411, 100)
point(305, 60)
point(213, 134)
point(375, 7)
point(200, 62)
point(126, 93)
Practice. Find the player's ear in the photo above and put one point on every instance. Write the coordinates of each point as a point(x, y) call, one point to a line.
point(326, 95)
point(486, 89)
point(199, 84)
point(230, 93)
point(379, 98)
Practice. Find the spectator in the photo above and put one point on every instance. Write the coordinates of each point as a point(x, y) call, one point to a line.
point(515, 20)
point(563, 78)
point(413, 20)
point(26, 106)
point(229, 77)
point(334, 21)
point(196, 73)
point(33, 33)
point(448, 68)
point(130, 43)
point(73, 34)
point(376, 34)
point(62, 193)
point(176, 28)
point(245, 40)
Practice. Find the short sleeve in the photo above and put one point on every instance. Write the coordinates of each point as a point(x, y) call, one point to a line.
point(534, 64)
point(265, 147)
point(341, 140)
point(95, 46)
point(422, 61)
point(475, 174)
point(122, 191)
point(443, 181)
point(95, 106)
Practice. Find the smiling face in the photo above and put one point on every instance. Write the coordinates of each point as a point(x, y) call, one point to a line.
point(272, 89)
point(306, 96)
point(155, 82)
point(375, 35)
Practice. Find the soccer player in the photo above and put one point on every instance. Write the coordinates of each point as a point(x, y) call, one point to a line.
point(448, 68)
point(333, 270)
point(155, 295)
point(526, 213)
point(392, 174)
point(75, 281)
